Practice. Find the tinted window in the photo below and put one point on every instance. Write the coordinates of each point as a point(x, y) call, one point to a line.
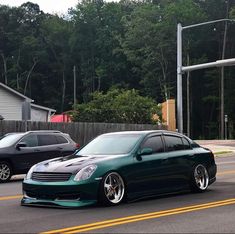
point(61, 140)
point(186, 143)
point(195, 145)
point(155, 143)
point(30, 140)
point(47, 140)
point(174, 143)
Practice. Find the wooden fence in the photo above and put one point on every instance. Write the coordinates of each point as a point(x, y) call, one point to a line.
point(79, 132)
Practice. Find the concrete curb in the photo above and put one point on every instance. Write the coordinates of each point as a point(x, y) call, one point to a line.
point(219, 146)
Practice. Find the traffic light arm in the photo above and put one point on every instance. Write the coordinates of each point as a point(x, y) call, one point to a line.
point(218, 63)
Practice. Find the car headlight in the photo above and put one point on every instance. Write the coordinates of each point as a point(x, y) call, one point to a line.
point(30, 172)
point(85, 173)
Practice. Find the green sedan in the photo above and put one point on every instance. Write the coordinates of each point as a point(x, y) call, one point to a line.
point(120, 166)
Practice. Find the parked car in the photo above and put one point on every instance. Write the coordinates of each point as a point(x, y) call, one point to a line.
point(118, 166)
point(20, 151)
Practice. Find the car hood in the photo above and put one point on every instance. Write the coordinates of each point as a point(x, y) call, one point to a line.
point(70, 164)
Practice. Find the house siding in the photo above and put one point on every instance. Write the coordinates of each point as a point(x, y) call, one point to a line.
point(10, 105)
point(39, 115)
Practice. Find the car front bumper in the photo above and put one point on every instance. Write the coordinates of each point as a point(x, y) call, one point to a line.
point(60, 194)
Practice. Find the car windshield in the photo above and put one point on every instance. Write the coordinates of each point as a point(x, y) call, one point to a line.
point(9, 140)
point(110, 145)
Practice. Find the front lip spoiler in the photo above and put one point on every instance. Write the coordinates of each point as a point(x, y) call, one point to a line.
point(212, 180)
point(27, 201)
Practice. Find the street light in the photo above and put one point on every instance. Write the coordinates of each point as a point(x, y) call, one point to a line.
point(181, 69)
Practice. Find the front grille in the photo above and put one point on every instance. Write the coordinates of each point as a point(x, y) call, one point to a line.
point(50, 177)
point(56, 196)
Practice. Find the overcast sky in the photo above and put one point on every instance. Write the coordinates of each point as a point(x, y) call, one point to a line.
point(48, 6)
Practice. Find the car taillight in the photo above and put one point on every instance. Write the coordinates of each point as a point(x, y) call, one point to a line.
point(77, 145)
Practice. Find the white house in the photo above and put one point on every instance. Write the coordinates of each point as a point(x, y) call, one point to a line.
point(12, 106)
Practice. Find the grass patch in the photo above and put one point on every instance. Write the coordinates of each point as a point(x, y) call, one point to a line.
point(223, 152)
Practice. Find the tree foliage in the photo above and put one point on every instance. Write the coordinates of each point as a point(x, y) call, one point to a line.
point(127, 44)
point(118, 106)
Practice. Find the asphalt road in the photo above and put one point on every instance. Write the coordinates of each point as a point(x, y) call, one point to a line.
point(209, 212)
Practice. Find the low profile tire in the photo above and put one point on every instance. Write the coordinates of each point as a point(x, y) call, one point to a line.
point(200, 178)
point(5, 172)
point(112, 189)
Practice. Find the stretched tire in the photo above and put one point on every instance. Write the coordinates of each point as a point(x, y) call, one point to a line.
point(200, 178)
point(5, 172)
point(112, 189)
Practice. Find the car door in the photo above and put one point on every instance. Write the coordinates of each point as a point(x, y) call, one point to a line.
point(178, 161)
point(27, 155)
point(64, 146)
point(48, 146)
point(149, 172)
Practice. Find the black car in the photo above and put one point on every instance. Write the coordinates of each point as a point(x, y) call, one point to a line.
point(20, 151)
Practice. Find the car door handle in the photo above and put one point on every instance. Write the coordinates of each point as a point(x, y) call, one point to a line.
point(36, 150)
point(164, 159)
point(60, 148)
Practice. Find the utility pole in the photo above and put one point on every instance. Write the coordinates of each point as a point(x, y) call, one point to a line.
point(188, 99)
point(74, 87)
point(222, 78)
point(179, 80)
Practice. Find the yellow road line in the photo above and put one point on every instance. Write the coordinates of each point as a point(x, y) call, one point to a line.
point(141, 217)
point(226, 172)
point(10, 197)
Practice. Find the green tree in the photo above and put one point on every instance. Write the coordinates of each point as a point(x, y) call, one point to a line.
point(55, 33)
point(126, 44)
point(150, 43)
point(96, 47)
point(117, 106)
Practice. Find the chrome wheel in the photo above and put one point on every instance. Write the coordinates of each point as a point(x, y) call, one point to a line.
point(114, 188)
point(201, 177)
point(5, 172)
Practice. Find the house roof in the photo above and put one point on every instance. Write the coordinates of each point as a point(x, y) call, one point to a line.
point(42, 108)
point(26, 98)
point(15, 92)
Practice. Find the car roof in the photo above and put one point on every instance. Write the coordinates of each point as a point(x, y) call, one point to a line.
point(144, 132)
point(149, 132)
point(44, 131)
point(36, 131)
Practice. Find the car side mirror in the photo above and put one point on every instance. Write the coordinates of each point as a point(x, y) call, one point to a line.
point(21, 145)
point(145, 151)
